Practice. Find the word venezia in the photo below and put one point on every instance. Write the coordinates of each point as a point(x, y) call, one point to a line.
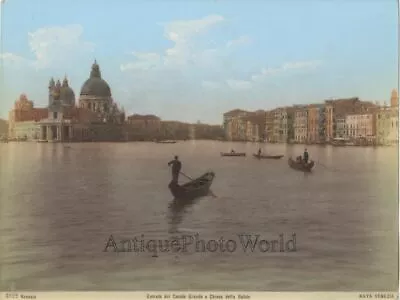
point(185, 243)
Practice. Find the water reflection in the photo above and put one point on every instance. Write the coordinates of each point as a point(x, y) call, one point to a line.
point(177, 209)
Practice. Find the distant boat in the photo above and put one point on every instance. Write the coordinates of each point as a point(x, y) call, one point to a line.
point(198, 187)
point(166, 142)
point(341, 142)
point(233, 154)
point(301, 166)
point(268, 156)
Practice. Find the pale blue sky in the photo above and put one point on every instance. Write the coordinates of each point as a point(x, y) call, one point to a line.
point(194, 60)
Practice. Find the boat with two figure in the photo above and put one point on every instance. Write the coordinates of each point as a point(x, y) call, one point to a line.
point(233, 153)
point(300, 165)
point(342, 142)
point(259, 155)
point(165, 142)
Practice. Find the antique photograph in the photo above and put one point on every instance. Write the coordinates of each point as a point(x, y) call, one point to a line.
point(196, 146)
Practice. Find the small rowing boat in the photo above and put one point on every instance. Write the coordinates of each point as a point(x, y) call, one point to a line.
point(301, 166)
point(233, 154)
point(195, 188)
point(166, 142)
point(267, 156)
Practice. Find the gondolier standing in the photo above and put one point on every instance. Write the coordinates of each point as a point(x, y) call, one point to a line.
point(305, 156)
point(176, 168)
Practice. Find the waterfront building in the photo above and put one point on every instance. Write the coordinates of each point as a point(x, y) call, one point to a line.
point(322, 124)
point(234, 126)
point(384, 125)
point(24, 119)
point(340, 130)
point(205, 131)
point(252, 130)
point(144, 122)
point(283, 124)
point(175, 130)
point(142, 127)
point(289, 124)
point(259, 118)
point(393, 137)
point(314, 123)
point(394, 117)
point(361, 127)
point(300, 123)
point(329, 127)
point(394, 99)
point(269, 126)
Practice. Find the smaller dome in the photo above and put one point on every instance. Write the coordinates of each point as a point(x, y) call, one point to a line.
point(67, 94)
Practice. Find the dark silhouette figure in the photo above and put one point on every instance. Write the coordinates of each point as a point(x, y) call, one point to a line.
point(176, 169)
point(259, 152)
point(305, 156)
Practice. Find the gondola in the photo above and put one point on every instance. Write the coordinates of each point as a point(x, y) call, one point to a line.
point(233, 154)
point(198, 187)
point(301, 166)
point(165, 142)
point(267, 156)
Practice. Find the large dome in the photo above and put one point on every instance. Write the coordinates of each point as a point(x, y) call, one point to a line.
point(95, 85)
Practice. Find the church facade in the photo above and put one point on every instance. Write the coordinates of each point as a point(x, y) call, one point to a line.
point(96, 117)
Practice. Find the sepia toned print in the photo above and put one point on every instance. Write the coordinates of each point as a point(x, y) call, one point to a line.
point(207, 148)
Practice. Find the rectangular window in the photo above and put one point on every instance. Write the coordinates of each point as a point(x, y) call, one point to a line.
point(55, 115)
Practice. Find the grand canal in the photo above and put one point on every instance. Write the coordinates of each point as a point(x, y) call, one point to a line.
point(60, 204)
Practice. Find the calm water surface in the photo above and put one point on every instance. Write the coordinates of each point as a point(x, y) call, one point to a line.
point(60, 205)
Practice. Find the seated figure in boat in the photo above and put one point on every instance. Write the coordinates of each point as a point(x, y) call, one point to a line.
point(299, 159)
point(232, 151)
point(176, 169)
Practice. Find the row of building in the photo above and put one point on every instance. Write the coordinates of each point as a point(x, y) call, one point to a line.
point(334, 121)
point(94, 117)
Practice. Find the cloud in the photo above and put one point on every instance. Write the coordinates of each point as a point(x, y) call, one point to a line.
point(239, 84)
point(181, 33)
point(290, 66)
point(183, 52)
point(11, 58)
point(53, 46)
point(145, 61)
point(242, 40)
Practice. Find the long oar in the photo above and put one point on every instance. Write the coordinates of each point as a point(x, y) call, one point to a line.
point(211, 193)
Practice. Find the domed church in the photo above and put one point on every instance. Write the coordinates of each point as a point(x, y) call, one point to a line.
point(96, 96)
point(61, 95)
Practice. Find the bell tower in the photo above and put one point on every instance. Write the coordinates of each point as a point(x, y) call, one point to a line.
point(52, 85)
